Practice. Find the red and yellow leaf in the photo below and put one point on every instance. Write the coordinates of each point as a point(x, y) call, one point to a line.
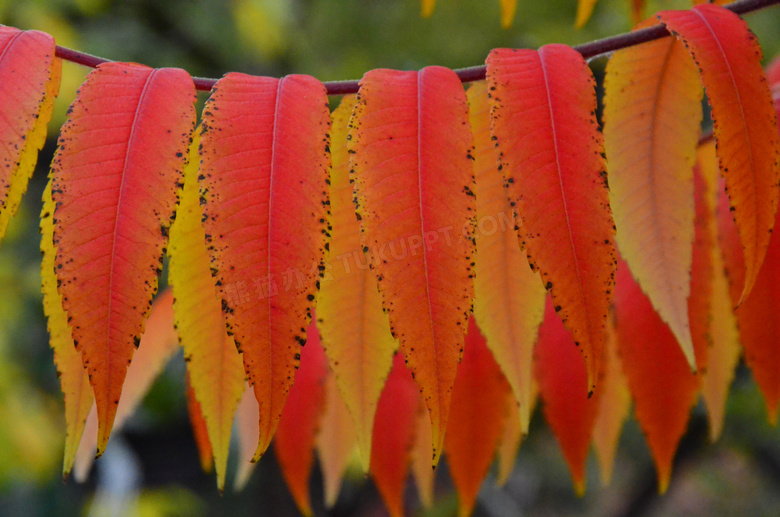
point(412, 167)
point(158, 344)
point(614, 407)
point(477, 419)
point(264, 173)
point(543, 119)
point(652, 121)
point(114, 184)
point(214, 365)
point(295, 437)
point(508, 296)
point(355, 331)
point(394, 430)
point(73, 377)
point(200, 430)
point(336, 441)
point(563, 387)
point(29, 82)
point(661, 382)
point(744, 119)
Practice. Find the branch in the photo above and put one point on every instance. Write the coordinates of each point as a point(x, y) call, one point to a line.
point(473, 73)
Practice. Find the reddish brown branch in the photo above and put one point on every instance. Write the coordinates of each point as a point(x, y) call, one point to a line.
point(473, 73)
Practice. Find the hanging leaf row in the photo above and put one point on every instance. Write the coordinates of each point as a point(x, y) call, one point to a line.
point(426, 223)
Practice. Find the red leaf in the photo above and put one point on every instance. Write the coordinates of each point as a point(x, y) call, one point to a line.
point(114, 184)
point(264, 168)
point(563, 387)
point(543, 113)
point(394, 430)
point(478, 416)
point(199, 429)
point(662, 385)
point(295, 438)
point(29, 82)
point(745, 124)
point(414, 184)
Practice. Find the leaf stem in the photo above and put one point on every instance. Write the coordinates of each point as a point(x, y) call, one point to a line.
point(473, 73)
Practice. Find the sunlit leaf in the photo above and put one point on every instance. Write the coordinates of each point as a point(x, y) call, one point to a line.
point(114, 182)
point(652, 121)
point(414, 186)
point(355, 331)
point(264, 168)
point(543, 108)
point(744, 120)
point(508, 296)
point(199, 429)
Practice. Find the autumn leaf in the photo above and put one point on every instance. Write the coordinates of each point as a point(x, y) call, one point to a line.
point(199, 429)
point(543, 121)
point(264, 172)
point(214, 366)
point(74, 380)
point(158, 343)
point(300, 422)
point(416, 210)
point(478, 417)
point(614, 408)
point(508, 9)
point(563, 387)
point(511, 438)
point(584, 11)
point(729, 59)
point(508, 296)
point(29, 82)
point(336, 441)
point(662, 385)
point(652, 121)
point(424, 475)
point(355, 331)
point(115, 191)
point(394, 433)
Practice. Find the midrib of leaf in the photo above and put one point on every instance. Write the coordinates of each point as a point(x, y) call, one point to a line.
point(420, 141)
point(565, 207)
point(118, 214)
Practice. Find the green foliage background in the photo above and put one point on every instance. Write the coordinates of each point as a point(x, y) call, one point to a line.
point(330, 39)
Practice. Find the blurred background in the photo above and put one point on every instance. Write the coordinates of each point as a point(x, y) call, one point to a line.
point(153, 463)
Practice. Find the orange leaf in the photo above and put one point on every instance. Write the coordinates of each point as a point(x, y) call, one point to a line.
point(73, 377)
point(729, 56)
point(336, 441)
point(543, 114)
point(158, 344)
point(298, 427)
point(426, 9)
point(355, 331)
point(114, 185)
point(264, 168)
point(508, 296)
point(394, 430)
point(569, 410)
point(614, 406)
point(510, 442)
point(661, 382)
point(652, 121)
point(213, 364)
point(29, 82)
point(199, 429)
point(637, 10)
point(414, 184)
point(478, 416)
